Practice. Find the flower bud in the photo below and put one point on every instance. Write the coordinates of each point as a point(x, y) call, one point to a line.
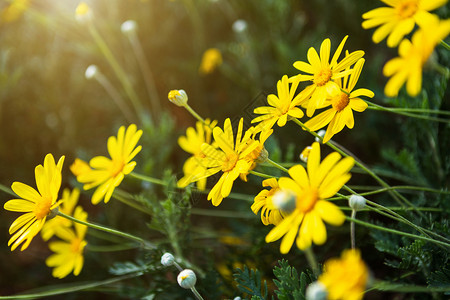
point(167, 259)
point(91, 72)
point(305, 153)
point(263, 156)
point(178, 97)
point(284, 200)
point(357, 202)
point(316, 291)
point(83, 13)
point(239, 26)
point(187, 279)
point(128, 27)
point(320, 133)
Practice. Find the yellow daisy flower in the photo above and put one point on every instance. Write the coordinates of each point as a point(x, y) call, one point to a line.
point(212, 58)
point(399, 19)
point(323, 73)
point(412, 57)
point(263, 201)
point(230, 158)
point(37, 205)
point(343, 100)
point(68, 256)
point(322, 180)
point(108, 173)
point(14, 10)
point(69, 201)
point(192, 143)
point(281, 107)
point(345, 278)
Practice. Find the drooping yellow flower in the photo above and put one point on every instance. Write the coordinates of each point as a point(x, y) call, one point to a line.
point(229, 157)
point(212, 58)
point(323, 73)
point(37, 205)
point(68, 256)
point(345, 278)
point(192, 143)
point(412, 57)
point(69, 201)
point(178, 97)
point(263, 201)
point(281, 107)
point(343, 100)
point(108, 173)
point(399, 19)
point(14, 10)
point(259, 154)
point(304, 223)
point(79, 166)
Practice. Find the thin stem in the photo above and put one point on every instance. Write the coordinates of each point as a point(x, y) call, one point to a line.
point(445, 45)
point(196, 293)
point(148, 179)
point(121, 75)
point(146, 72)
point(221, 213)
point(7, 190)
point(260, 174)
point(374, 106)
point(128, 236)
point(194, 114)
point(393, 231)
point(352, 229)
point(115, 95)
point(276, 165)
point(119, 196)
point(109, 248)
point(312, 261)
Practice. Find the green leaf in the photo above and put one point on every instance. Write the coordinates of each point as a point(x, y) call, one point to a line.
point(249, 282)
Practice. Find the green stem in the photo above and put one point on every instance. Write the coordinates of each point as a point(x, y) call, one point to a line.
point(374, 106)
point(352, 230)
point(195, 114)
point(7, 190)
point(148, 179)
point(260, 174)
point(276, 165)
point(196, 293)
point(128, 236)
point(393, 231)
point(312, 261)
point(121, 75)
point(64, 289)
point(119, 195)
point(221, 213)
point(109, 248)
point(445, 45)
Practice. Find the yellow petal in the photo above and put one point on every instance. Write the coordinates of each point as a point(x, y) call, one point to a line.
point(330, 213)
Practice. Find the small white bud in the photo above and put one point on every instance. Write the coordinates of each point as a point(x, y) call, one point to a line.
point(128, 27)
point(167, 259)
point(316, 291)
point(187, 279)
point(357, 202)
point(83, 13)
point(178, 97)
point(91, 72)
point(305, 153)
point(320, 133)
point(284, 200)
point(237, 298)
point(239, 26)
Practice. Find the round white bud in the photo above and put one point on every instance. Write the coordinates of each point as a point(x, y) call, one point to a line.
point(357, 202)
point(128, 27)
point(178, 97)
point(239, 26)
point(91, 72)
point(167, 259)
point(320, 133)
point(187, 279)
point(316, 291)
point(284, 200)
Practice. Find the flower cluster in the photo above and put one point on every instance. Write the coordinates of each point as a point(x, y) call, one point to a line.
point(397, 21)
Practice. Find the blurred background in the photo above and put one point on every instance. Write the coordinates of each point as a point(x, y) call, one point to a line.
point(47, 105)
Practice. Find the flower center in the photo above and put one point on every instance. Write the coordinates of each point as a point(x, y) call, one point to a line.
point(117, 168)
point(77, 245)
point(230, 162)
point(340, 102)
point(42, 208)
point(322, 77)
point(407, 9)
point(307, 200)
